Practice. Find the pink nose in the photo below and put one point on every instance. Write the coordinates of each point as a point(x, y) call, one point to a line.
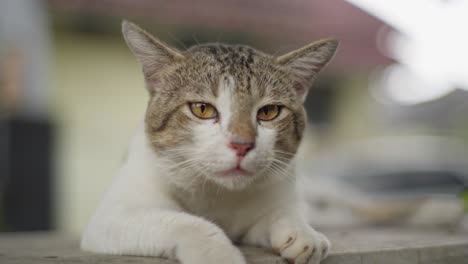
point(241, 148)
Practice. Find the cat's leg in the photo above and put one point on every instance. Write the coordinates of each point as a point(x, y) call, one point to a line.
point(290, 236)
point(187, 238)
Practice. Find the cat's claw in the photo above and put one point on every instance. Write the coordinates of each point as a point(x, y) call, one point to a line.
point(301, 247)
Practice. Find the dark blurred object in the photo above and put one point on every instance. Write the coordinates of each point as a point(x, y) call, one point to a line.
point(400, 166)
point(407, 180)
point(321, 100)
point(26, 175)
point(413, 181)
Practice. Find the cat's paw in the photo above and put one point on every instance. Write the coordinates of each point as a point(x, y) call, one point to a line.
point(300, 246)
point(229, 255)
point(205, 243)
point(213, 254)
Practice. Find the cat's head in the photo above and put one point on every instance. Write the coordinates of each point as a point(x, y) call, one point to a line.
point(228, 114)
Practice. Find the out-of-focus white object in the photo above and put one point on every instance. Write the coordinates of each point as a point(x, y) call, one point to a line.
point(430, 46)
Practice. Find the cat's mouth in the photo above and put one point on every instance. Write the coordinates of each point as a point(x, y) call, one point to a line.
point(236, 171)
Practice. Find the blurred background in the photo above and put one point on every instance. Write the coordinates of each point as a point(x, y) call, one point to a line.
point(388, 117)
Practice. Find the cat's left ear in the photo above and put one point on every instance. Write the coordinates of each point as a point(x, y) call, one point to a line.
point(305, 63)
point(153, 54)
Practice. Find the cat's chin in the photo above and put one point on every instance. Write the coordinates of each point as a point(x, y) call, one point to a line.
point(234, 179)
point(235, 172)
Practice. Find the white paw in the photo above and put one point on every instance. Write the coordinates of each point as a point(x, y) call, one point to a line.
point(300, 246)
point(228, 254)
point(213, 254)
point(207, 244)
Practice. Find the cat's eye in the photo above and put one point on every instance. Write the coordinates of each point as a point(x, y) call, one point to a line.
point(203, 110)
point(268, 112)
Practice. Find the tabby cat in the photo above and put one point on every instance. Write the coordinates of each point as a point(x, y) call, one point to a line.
point(213, 162)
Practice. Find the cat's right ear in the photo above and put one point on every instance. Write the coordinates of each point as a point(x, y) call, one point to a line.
point(152, 53)
point(305, 63)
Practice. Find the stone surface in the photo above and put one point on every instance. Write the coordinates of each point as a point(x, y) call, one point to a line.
point(352, 246)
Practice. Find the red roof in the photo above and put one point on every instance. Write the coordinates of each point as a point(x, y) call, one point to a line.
point(290, 22)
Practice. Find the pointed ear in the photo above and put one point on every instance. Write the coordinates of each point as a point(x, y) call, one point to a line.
point(152, 53)
point(306, 62)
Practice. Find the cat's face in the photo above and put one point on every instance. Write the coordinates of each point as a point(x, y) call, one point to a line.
point(227, 114)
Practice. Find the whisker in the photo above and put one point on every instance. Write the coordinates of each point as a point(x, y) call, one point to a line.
point(288, 165)
point(284, 170)
point(178, 41)
point(194, 37)
point(218, 39)
point(174, 166)
point(279, 173)
point(284, 152)
point(183, 164)
point(177, 150)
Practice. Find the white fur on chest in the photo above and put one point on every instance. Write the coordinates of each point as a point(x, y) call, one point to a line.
point(235, 212)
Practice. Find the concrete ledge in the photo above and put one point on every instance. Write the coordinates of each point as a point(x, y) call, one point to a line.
point(357, 246)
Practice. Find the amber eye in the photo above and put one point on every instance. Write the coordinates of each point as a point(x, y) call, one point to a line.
point(268, 112)
point(203, 110)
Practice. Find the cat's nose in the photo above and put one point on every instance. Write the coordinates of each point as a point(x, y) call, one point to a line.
point(241, 148)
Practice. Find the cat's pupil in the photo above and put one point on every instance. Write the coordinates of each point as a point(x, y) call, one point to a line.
point(202, 108)
point(265, 110)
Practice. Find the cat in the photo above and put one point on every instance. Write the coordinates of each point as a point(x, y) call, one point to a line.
point(212, 164)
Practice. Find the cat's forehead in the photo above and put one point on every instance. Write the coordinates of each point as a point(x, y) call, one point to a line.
point(236, 60)
point(254, 73)
point(224, 53)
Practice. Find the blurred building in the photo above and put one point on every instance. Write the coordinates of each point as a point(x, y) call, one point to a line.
point(277, 24)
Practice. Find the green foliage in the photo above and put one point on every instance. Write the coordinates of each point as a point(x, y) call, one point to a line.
point(464, 196)
point(3, 226)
